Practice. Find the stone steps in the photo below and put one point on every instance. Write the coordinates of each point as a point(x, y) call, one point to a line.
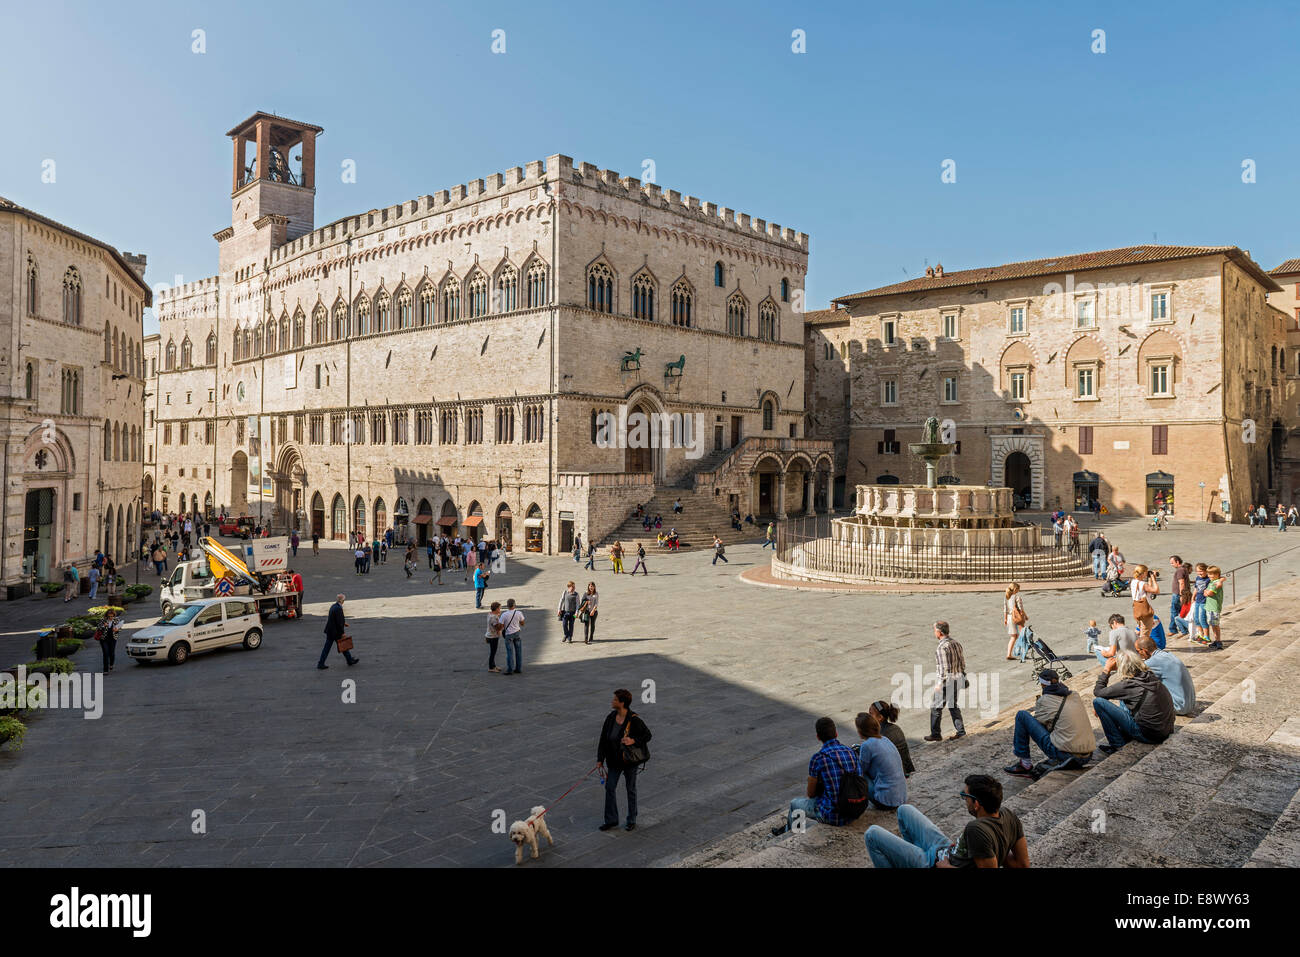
point(1242, 758)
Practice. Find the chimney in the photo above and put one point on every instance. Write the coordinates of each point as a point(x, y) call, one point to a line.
point(938, 269)
point(929, 272)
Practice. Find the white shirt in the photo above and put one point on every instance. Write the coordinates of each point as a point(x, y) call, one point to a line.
point(1138, 589)
point(514, 622)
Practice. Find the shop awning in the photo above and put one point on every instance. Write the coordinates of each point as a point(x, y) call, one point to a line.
point(447, 521)
point(1160, 480)
point(1087, 478)
point(473, 521)
point(423, 519)
point(532, 523)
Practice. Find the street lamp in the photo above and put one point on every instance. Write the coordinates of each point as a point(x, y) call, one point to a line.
point(1202, 484)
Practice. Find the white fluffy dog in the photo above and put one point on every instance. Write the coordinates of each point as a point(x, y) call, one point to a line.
point(527, 831)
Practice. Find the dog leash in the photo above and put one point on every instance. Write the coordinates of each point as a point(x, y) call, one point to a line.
point(568, 792)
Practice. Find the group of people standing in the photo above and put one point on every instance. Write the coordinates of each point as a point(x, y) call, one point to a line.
point(1257, 515)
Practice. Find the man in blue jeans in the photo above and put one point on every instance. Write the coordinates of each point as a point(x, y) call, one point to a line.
point(480, 584)
point(1058, 725)
point(995, 838)
point(1180, 582)
point(1138, 707)
point(827, 767)
point(512, 619)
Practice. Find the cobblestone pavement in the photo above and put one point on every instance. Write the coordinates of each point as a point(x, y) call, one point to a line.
point(286, 773)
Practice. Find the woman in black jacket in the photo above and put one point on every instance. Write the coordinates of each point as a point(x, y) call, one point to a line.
point(887, 714)
point(622, 727)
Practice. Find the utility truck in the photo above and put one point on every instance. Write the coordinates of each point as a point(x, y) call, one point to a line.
point(262, 572)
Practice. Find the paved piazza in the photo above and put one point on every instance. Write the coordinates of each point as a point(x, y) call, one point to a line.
point(287, 774)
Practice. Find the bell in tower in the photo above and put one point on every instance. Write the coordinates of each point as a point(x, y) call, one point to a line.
point(274, 176)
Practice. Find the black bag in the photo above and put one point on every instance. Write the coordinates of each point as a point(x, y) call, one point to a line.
point(635, 755)
point(854, 796)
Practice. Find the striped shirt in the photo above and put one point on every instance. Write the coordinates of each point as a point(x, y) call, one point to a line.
point(949, 659)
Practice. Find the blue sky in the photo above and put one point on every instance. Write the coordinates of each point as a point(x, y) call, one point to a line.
point(1057, 149)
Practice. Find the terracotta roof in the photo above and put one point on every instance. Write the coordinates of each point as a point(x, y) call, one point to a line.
point(1288, 268)
point(286, 121)
point(1078, 262)
point(9, 204)
point(819, 316)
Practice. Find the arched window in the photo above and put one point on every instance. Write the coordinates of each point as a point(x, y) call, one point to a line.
point(536, 284)
point(643, 296)
point(478, 295)
point(320, 324)
point(338, 518)
point(29, 381)
point(170, 363)
point(767, 320)
point(769, 415)
point(428, 301)
point(451, 300)
point(237, 346)
point(119, 350)
point(340, 320)
point(72, 296)
point(33, 287)
point(736, 315)
point(299, 324)
point(130, 356)
point(405, 312)
point(117, 442)
point(361, 320)
point(359, 514)
point(108, 342)
point(383, 313)
point(507, 299)
point(248, 343)
point(257, 341)
point(284, 333)
point(210, 351)
point(381, 516)
point(719, 275)
point(600, 288)
point(187, 353)
point(785, 290)
point(108, 440)
point(682, 304)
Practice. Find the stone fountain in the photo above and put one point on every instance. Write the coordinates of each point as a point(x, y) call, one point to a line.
point(930, 450)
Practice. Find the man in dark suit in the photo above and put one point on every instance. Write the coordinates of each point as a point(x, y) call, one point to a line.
point(334, 628)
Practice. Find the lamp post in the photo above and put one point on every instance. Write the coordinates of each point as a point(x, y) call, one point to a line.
point(1202, 484)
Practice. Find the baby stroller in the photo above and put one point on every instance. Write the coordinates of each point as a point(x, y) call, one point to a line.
point(1115, 586)
point(1036, 651)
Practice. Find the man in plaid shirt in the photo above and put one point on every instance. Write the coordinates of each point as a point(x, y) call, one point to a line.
point(825, 770)
point(951, 665)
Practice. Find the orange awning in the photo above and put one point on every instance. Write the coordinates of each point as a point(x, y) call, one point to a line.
point(447, 521)
point(422, 519)
point(473, 521)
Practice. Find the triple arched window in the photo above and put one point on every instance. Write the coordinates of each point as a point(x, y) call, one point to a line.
point(478, 295)
point(320, 324)
point(643, 296)
point(187, 353)
point(72, 296)
point(682, 302)
point(361, 319)
point(383, 313)
point(507, 289)
point(405, 312)
point(210, 352)
point(169, 362)
point(451, 300)
point(767, 320)
point(428, 303)
point(600, 288)
point(736, 315)
point(536, 284)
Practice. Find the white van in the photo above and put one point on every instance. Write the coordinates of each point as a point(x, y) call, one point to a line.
point(196, 627)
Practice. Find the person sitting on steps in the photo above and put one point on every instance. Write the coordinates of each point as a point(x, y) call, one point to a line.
point(1058, 725)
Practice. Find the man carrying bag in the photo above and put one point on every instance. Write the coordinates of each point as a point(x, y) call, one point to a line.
point(336, 634)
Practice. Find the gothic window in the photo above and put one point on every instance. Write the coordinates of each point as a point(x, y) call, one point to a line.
point(769, 415)
point(451, 300)
point(536, 284)
point(210, 354)
point(108, 440)
point(32, 286)
point(736, 315)
point(284, 332)
point(507, 290)
point(108, 342)
point(533, 423)
point(72, 297)
point(643, 296)
point(29, 381)
point(257, 341)
point(767, 320)
point(383, 313)
point(361, 322)
point(447, 427)
point(600, 288)
point(340, 320)
point(474, 426)
point(505, 424)
point(405, 316)
point(428, 300)
point(299, 322)
point(236, 349)
point(478, 295)
point(682, 304)
point(319, 324)
point(170, 363)
point(187, 353)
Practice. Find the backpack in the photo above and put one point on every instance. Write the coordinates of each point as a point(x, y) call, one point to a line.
point(853, 797)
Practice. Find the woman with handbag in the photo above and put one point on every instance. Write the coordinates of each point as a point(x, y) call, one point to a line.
point(588, 609)
point(493, 636)
point(1015, 619)
point(106, 633)
point(622, 746)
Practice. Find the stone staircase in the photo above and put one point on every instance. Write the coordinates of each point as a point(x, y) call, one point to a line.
point(703, 515)
point(1222, 791)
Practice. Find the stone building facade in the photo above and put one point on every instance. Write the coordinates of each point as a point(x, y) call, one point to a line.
point(1287, 301)
point(446, 360)
point(71, 390)
point(1131, 376)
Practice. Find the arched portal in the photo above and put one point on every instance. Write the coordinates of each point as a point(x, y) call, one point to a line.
point(318, 515)
point(505, 533)
point(239, 483)
point(1018, 476)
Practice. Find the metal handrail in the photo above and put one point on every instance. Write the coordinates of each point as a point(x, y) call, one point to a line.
point(1259, 563)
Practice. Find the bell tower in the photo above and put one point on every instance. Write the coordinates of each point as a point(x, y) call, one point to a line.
point(273, 185)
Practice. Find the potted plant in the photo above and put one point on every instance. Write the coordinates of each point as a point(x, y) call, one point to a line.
point(51, 589)
point(137, 592)
point(11, 729)
point(67, 647)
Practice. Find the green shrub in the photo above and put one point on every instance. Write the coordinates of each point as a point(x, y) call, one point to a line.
point(52, 588)
point(11, 729)
point(67, 647)
point(138, 591)
point(56, 666)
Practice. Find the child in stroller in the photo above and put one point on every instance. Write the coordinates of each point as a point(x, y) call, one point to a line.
point(1115, 586)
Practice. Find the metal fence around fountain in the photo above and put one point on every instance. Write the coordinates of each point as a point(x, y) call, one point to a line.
point(805, 544)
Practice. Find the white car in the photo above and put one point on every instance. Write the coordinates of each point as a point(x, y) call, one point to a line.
point(198, 626)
